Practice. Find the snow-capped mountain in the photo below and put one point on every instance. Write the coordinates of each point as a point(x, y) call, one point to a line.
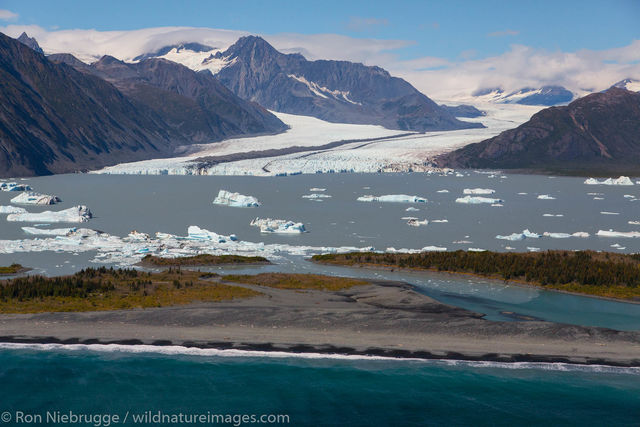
point(628, 84)
point(546, 95)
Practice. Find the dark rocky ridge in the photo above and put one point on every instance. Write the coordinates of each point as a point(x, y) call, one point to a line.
point(598, 134)
point(464, 110)
point(336, 91)
point(30, 42)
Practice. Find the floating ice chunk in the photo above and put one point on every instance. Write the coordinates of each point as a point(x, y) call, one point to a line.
point(411, 209)
point(598, 198)
point(532, 249)
point(522, 194)
point(611, 233)
point(393, 250)
point(31, 198)
point(478, 191)
point(442, 191)
point(196, 233)
point(51, 232)
point(236, 200)
point(526, 234)
point(11, 209)
point(393, 198)
point(477, 249)
point(415, 222)
point(553, 215)
point(623, 180)
point(459, 175)
point(565, 235)
point(474, 200)
point(609, 213)
point(281, 226)
point(439, 220)
point(316, 196)
point(75, 214)
point(634, 222)
point(138, 236)
point(629, 196)
point(509, 248)
point(316, 189)
point(546, 197)
point(497, 205)
point(14, 186)
point(618, 246)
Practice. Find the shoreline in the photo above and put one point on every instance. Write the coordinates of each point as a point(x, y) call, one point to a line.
point(381, 319)
point(520, 283)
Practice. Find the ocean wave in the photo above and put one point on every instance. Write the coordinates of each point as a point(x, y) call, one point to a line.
point(174, 350)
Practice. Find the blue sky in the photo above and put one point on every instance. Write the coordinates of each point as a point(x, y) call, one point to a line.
point(445, 29)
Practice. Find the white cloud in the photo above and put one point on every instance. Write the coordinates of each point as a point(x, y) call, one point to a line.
point(7, 15)
point(504, 33)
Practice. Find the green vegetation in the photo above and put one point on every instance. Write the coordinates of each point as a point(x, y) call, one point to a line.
point(296, 281)
point(12, 269)
point(594, 273)
point(113, 289)
point(202, 260)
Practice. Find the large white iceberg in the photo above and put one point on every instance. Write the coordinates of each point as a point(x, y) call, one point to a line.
point(237, 200)
point(611, 233)
point(31, 198)
point(14, 186)
point(11, 209)
point(75, 214)
point(582, 234)
point(48, 232)
point(282, 226)
point(478, 191)
point(623, 180)
point(393, 198)
point(526, 234)
point(197, 233)
point(476, 200)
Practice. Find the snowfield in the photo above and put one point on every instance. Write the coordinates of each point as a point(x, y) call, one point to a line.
point(374, 148)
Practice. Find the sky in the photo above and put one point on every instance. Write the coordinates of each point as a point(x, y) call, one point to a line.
point(423, 41)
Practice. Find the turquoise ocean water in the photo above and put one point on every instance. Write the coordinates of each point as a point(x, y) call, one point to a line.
point(313, 391)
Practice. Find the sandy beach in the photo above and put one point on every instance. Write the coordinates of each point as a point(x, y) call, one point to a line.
point(383, 318)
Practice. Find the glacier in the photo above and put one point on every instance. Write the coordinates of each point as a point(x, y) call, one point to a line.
point(478, 191)
point(31, 198)
point(392, 198)
point(475, 200)
point(78, 213)
point(280, 226)
point(622, 180)
point(236, 200)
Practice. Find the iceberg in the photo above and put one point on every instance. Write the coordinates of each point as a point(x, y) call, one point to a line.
point(442, 191)
point(478, 191)
point(609, 213)
point(316, 196)
point(316, 189)
point(236, 200)
point(14, 186)
point(138, 236)
point(51, 232)
point(393, 198)
point(280, 226)
point(75, 214)
point(622, 180)
point(440, 220)
point(634, 222)
point(526, 234)
point(31, 198)
point(475, 200)
point(546, 197)
point(411, 209)
point(611, 233)
point(196, 233)
point(553, 215)
point(415, 222)
point(11, 209)
point(565, 235)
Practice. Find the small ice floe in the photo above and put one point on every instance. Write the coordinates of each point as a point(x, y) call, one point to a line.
point(31, 198)
point(526, 234)
point(51, 232)
point(609, 213)
point(522, 194)
point(75, 214)
point(392, 250)
point(138, 236)
point(629, 196)
point(459, 175)
point(477, 249)
point(11, 210)
point(442, 191)
point(598, 198)
point(411, 209)
point(623, 180)
point(393, 198)
point(236, 200)
point(462, 242)
point(415, 222)
point(532, 249)
point(14, 186)
point(581, 234)
point(509, 248)
point(618, 246)
point(196, 233)
point(634, 222)
point(317, 190)
point(553, 215)
point(439, 220)
point(611, 233)
point(475, 200)
point(316, 196)
point(497, 205)
point(546, 197)
point(478, 191)
point(281, 226)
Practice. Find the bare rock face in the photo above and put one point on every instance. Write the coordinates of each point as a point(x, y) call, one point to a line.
point(336, 91)
point(597, 134)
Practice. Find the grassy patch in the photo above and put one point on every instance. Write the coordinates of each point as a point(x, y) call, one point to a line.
point(588, 272)
point(113, 289)
point(12, 269)
point(296, 281)
point(202, 260)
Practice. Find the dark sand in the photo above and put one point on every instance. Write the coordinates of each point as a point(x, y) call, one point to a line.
point(384, 318)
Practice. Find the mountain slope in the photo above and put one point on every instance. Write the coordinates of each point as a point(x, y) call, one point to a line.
point(546, 95)
point(336, 91)
point(195, 104)
point(597, 134)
